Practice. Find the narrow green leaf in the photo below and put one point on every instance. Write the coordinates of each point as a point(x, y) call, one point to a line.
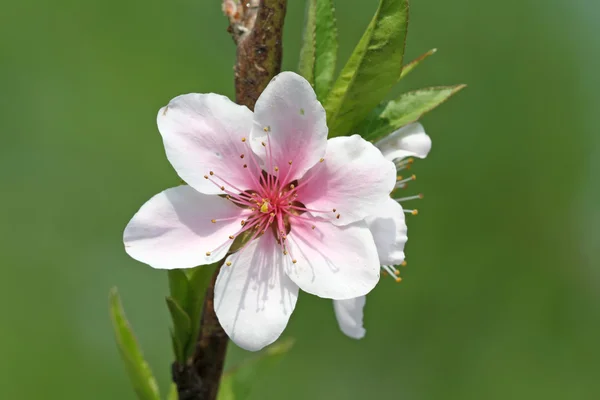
point(199, 280)
point(407, 69)
point(173, 395)
point(138, 370)
point(372, 69)
point(319, 50)
point(306, 68)
point(407, 108)
point(237, 383)
point(179, 287)
point(326, 43)
point(182, 329)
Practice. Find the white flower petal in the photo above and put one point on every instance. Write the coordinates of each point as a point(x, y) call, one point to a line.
point(291, 122)
point(203, 133)
point(173, 229)
point(254, 298)
point(354, 180)
point(408, 141)
point(335, 262)
point(389, 230)
point(349, 314)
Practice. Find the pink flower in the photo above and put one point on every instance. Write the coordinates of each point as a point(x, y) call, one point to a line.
point(272, 178)
point(387, 224)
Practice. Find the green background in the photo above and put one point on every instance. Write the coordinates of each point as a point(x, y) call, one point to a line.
point(501, 297)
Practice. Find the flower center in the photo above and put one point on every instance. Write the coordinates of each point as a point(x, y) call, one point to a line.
point(272, 202)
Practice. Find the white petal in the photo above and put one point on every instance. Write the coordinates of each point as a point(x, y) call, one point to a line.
point(174, 230)
point(334, 262)
point(388, 227)
point(408, 141)
point(254, 298)
point(349, 314)
point(203, 133)
point(291, 122)
point(355, 179)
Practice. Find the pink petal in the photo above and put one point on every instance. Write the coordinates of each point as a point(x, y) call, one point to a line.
point(349, 314)
point(174, 229)
point(254, 298)
point(291, 122)
point(408, 141)
point(389, 229)
point(203, 133)
point(331, 261)
point(354, 180)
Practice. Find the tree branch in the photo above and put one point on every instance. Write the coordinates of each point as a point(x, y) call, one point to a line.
point(257, 28)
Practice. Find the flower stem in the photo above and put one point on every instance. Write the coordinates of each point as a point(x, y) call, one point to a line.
point(257, 30)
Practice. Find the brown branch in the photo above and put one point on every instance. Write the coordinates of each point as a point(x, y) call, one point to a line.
point(257, 29)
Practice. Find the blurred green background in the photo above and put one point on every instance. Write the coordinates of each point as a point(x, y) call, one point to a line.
point(501, 297)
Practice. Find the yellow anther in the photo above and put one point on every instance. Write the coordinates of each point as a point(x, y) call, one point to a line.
point(321, 160)
point(231, 237)
point(294, 261)
point(399, 178)
point(264, 144)
point(338, 216)
point(334, 210)
point(292, 186)
point(222, 187)
point(245, 166)
point(267, 129)
point(242, 155)
point(272, 214)
point(242, 222)
point(214, 221)
point(415, 212)
point(211, 173)
point(207, 253)
point(205, 176)
point(264, 208)
point(413, 177)
point(313, 227)
point(397, 273)
point(243, 139)
point(404, 263)
point(398, 279)
point(228, 263)
point(285, 252)
point(276, 169)
point(290, 162)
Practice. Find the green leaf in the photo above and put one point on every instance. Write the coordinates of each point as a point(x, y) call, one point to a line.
point(407, 108)
point(138, 370)
point(199, 279)
point(179, 287)
point(407, 69)
point(319, 50)
point(182, 329)
point(306, 68)
point(173, 395)
point(237, 383)
point(372, 69)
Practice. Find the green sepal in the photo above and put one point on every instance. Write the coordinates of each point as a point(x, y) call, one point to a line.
point(139, 372)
